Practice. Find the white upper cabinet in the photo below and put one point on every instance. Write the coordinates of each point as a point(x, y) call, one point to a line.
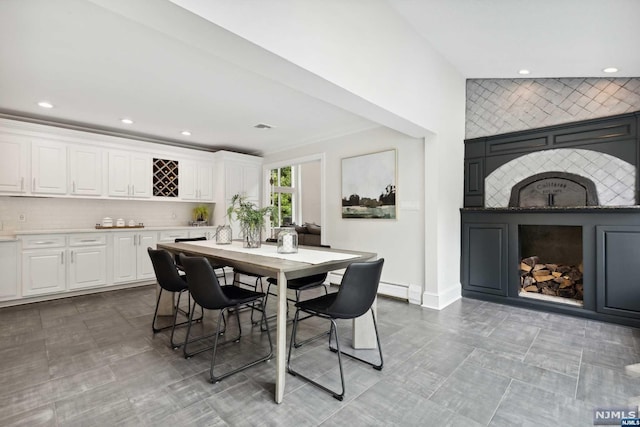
point(48, 167)
point(242, 178)
point(85, 171)
point(196, 180)
point(129, 174)
point(14, 163)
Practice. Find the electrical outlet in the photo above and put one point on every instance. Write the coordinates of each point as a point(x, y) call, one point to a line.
point(22, 217)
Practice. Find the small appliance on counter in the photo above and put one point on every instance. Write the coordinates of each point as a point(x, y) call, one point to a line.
point(120, 222)
point(107, 222)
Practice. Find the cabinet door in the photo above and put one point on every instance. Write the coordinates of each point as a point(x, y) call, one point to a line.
point(141, 176)
point(232, 180)
point(85, 170)
point(617, 250)
point(43, 271)
point(188, 180)
point(145, 268)
point(251, 181)
point(9, 268)
point(87, 267)
point(13, 164)
point(485, 259)
point(119, 171)
point(124, 257)
point(205, 182)
point(48, 167)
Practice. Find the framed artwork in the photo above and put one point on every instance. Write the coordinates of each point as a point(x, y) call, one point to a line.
point(369, 186)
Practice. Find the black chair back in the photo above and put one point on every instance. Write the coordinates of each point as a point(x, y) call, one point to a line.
point(165, 270)
point(358, 289)
point(186, 239)
point(203, 283)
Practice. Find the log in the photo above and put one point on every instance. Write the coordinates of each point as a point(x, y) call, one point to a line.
point(539, 273)
point(544, 278)
point(531, 288)
point(525, 267)
point(551, 267)
point(531, 261)
point(538, 267)
point(548, 291)
point(528, 281)
point(556, 274)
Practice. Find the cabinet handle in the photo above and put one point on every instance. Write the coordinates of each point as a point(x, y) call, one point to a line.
point(22, 184)
point(135, 238)
point(44, 242)
point(88, 240)
point(74, 186)
point(71, 257)
point(62, 257)
point(128, 189)
point(34, 185)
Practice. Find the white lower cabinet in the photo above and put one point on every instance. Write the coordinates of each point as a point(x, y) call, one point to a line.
point(131, 261)
point(43, 271)
point(9, 267)
point(50, 265)
point(87, 258)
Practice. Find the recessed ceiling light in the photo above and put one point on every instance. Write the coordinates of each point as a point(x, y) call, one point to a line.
point(126, 121)
point(524, 72)
point(45, 104)
point(610, 70)
point(185, 133)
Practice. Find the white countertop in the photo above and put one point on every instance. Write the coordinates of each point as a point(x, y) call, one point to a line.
point(99, 230)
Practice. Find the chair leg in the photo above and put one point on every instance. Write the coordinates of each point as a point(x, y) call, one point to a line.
point(187, 341)
point(297, 344)
point(214, 378)
point(375, 366)
point(334, 328)
point(175, 317)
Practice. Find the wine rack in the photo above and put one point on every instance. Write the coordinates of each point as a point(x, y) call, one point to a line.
point(165, 178)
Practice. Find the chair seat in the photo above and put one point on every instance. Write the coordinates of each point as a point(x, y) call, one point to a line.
point(322, 305)
point(302, 283)
point(239, 295)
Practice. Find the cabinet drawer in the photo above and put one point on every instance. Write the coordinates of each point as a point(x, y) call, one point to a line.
point(43, 241)
point(89, 239)
point(172, 235)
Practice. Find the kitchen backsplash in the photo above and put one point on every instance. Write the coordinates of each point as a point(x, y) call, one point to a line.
point(54, 213)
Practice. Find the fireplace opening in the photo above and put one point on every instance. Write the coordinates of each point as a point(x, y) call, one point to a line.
point(551, 263)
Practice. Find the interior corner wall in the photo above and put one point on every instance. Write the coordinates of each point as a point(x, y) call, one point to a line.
point(398, 241)
point(497, 106)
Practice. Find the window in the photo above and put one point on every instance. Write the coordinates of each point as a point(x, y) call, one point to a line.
point(283, 195)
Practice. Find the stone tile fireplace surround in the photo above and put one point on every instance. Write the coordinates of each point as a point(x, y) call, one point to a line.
point(586, 251)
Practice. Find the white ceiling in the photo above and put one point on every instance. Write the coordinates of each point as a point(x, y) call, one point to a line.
point(97, 66)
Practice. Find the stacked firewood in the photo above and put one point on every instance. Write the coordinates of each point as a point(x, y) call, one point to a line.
point(551, 279)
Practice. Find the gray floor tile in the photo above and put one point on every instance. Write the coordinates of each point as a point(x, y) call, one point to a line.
point(93, 360)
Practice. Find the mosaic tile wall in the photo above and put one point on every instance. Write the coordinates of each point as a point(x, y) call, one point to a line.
point(496, 106)
point(614, 178)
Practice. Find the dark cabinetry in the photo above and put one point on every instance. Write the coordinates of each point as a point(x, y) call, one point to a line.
point(617, 255)
point(484, 266)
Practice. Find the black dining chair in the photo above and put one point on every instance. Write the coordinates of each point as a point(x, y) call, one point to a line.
point(220, 274)
point(257, 281)
point(354, 298)
point(300, 285)
point(169, 280)
point(207, 292)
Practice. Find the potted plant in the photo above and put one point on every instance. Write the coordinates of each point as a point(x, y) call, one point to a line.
point(251, 218)
point(201, 214)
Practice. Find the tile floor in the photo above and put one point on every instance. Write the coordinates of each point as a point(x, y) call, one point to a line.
point(93, 361)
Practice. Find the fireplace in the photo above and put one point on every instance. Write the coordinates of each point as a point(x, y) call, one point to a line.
point(551, 263)
point(551, 219)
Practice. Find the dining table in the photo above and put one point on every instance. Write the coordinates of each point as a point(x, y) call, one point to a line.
point(266, 261)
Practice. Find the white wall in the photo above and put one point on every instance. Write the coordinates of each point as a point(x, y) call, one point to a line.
point(59, 213)
point(310, 201)
point(398, 241)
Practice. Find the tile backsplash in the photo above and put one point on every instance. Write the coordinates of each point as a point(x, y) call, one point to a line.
point(60, 213)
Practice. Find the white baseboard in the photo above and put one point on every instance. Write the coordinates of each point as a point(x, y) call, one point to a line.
point(442, 299)
point(411, 293)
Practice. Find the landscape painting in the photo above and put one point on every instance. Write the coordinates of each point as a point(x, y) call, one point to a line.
point(369, 186)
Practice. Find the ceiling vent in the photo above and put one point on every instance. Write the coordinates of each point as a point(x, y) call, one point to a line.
point(263, 126)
